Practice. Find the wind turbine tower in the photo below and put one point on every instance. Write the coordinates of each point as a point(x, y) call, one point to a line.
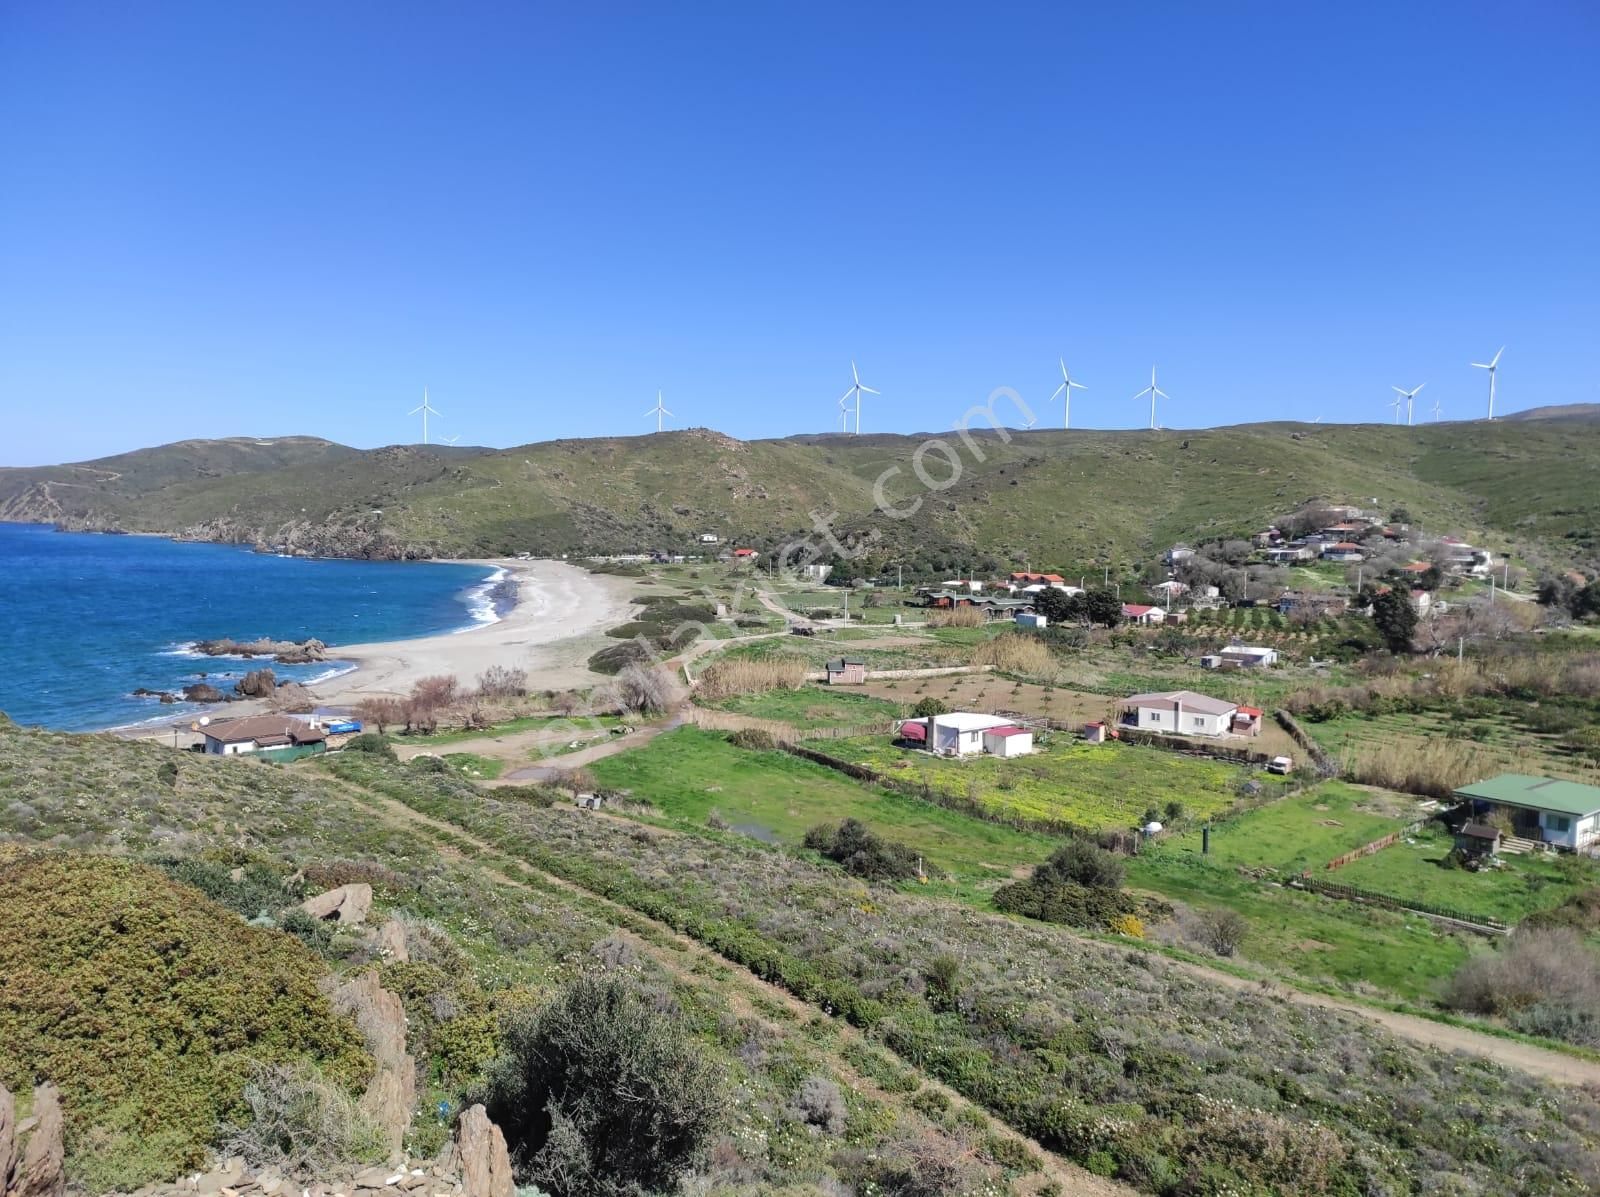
point(1065, 391)
point(658, 411)
point(856, 390)
point(1491, 365)
point(1152, 390)
point(426, 411)
point(1409, 398)
point(1437, 409)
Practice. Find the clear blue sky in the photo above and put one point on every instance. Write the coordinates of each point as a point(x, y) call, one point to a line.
point(223, 219)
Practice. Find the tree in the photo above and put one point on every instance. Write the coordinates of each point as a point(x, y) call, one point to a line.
point(1223, 931)
point(1395, 618)
point(930, 706)
point(1060, 607)
point(1103, 607)
point(604, 1091)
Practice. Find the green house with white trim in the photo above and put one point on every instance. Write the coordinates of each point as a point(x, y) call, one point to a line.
point(1547, 809)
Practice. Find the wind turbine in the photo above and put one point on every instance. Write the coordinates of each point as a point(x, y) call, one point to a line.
point(426, 412)
point(1152, 390)
point(1437, 408)
point(450, 440)
point(1065, 391)
point(856, 389)
point(658, 411)
point(1491, 365)
point(1410, 398)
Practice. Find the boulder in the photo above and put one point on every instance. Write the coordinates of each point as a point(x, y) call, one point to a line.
point(392, 1092)
point(390, 941)
point(258, 683)
point(41, 1172)
point(8, 1137)
point(479, 1153)
point(346, 904)
point(203, 692)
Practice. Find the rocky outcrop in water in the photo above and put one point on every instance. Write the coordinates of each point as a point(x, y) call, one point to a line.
point(206, 692)
point(284, 652)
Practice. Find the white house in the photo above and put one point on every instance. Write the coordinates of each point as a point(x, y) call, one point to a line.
point(1180, 712)
point(1169, 590)
point(1563, 813)
point(260, 733)
point(1139, 613)
point(958, 733)
point(708, 538)
point(1342, 551)
point(1030, 619)
point(1246, 656)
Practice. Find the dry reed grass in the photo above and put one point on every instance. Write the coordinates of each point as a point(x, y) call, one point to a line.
point(725, 678)
point(957, 617)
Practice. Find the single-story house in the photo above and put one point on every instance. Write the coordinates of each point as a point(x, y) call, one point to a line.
point(278, 734)
point(971, 585)
point(1247, 721)
point(1343, 551)
point(1289, 554)
point(1177, 553)
point(1241, 656)
point(1143, 615)
point(1183, 712)
point(744, 554)
point(1022, 577)
point(1031, 619)
point(1563, 813)
point(846, 671)
point(958, 733)
point(1169, 590)
point(1008, 741)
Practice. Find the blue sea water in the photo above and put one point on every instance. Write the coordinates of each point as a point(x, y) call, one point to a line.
point(85, 619)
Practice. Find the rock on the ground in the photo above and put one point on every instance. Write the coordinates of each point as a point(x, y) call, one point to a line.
point(40, 1172)
point(382, 1022)
point(480, 1153)
point(390, 940)
point(346, 904)
point(258, 683)
point(8, 1137)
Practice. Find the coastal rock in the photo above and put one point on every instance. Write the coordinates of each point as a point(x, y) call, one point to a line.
point(204, 692)
point(346, 904)
point(164, 695)
point(480, 1153)
point(393, 1090)
point(41, 1172)
point(291, 698)
point(285, 652)
point(258, 683)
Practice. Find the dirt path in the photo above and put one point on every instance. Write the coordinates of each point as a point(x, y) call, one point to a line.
point(1508, 1053)
point(688, 959)
point(553, 767)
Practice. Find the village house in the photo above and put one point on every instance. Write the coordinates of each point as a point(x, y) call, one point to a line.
point(1025, 578)
point(966, 733)
point(1289, 554)
point(1030, 620)
point(1343, 552)
point(1565, 814)
point(1144, 616)
point(744, 554)
point(1169, 590)
point(1177, 553)
point(278, 736)
point(1180, 712)
point(1240, 656)
point(846, 671)
point(1315, 604)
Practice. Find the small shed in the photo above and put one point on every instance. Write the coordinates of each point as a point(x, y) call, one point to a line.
point(1008, 741)
point(846, 671)
point(1478, 839)
point(1030, 619)
point(588, 801)
point(1247, 721)
point(1096, 732)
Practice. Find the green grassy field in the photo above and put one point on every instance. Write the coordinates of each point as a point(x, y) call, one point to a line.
point(1302, 832)
point(474, 767)
point(1091, 785)
point(1524, 884)
point(775, 797)
point(814, 706)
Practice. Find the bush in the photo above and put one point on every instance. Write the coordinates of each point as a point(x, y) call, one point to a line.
point(1078, 862)
point(1223, 931)
point(862, 852)
point(644, 689)
point(930, 706)
point(373, 743)
point(502, 681)
point(1065, 903)
point(603, 1092)
point(1544, 981)
point(189, 1003)
point(300, 1123)
point(755, 738)
point(957, 617)
point(820, 1106)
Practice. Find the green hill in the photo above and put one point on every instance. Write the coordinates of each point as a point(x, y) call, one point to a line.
point(1068, 499)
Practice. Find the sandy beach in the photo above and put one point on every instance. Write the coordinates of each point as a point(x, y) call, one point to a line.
point(560, 618)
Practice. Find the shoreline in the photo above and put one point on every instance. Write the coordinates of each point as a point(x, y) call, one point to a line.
point(556, 619)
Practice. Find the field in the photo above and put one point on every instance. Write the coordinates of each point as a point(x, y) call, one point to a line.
point(1302, 832)
point(1524, 884)
point(814, 706)
point(1065, 780)
point(776, 798)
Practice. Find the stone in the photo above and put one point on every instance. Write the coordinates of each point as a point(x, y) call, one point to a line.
point(484, 1159)
point(8, 1137)
point(40, 1172)
point(346, 904)
point(390, 941)
point(392, 1092)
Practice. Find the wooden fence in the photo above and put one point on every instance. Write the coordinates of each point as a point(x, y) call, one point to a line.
point(1354, 893)
point(1378, 845)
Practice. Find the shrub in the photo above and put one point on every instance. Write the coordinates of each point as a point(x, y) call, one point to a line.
point(502, 681)
point(1223, 931)
point(756, 738)
point(1078, 862)
point(1545, 981)
point(299, 1122)
point(644, 689)
point(930, 706)
point(189, 1003)
point(820, 1106)
point(603, 1092)
point(1065, 903)
point(862, 852)
point(372, 743)
point(1130, 925)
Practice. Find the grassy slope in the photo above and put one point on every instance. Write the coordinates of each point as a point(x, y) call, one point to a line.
point(1069, 499)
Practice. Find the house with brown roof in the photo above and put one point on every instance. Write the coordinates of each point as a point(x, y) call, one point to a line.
point(1180, 712)
point(280, 735)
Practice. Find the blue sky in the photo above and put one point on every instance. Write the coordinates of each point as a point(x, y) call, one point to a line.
point(263, 219)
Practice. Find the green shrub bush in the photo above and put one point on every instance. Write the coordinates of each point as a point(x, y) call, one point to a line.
point(862, 852)
point(188, 1002)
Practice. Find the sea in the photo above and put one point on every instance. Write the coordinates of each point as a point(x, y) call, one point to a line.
point(85, 618)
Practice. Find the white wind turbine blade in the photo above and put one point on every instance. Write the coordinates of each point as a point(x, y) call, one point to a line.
point(1495, 361)
point(846, 396)
point(665, 412)
point(870, 391)
point(1160, 393)
point(1058, 391)
point(853, 372)
point(1076, 386)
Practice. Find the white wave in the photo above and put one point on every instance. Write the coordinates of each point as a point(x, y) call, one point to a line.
point(327, 675)
point(185, 649)
point(480, 601)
